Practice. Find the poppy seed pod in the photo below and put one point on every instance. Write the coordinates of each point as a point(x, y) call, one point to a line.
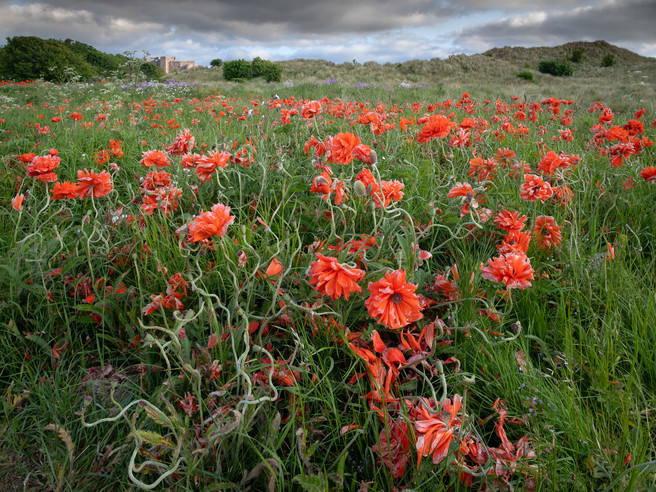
point(359, 188)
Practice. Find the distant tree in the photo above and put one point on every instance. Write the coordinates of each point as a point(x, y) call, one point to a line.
point(30, 57)
point(608, 60)
point(151, 71)
point(577, 56)
point(237, 70)
point(272, 72)
point(264, 68)
point(104, 63)
point(559, 69)
point(217, 62)
point(258, 65)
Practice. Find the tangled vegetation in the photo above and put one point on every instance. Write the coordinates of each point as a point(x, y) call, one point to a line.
point(333, 287)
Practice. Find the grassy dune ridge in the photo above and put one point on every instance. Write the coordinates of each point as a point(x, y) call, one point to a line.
point(493, 73)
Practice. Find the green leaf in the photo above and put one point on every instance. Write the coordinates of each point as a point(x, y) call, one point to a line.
point(40, 341)
point(340, 466)
point(157, 416)
point(154, 439)
point(91, 308)
point(312, 483)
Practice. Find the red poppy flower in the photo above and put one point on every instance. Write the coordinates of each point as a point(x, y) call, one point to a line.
point(467, 194)
point(340, 147)
point(115, 148)
point(75, 116)
point(101, 157)
point(208, 164)
point(190, 161)
point(504, 156)
point(550, 162)
point(393, 302)
point(367, 179)
point(510, 221)
point(515, 242)
point(438, 126)
point(17, 202)
point(155, 179)
point(514, 270)
point(92, 184)
point(436, 429)
point(620, 152)
point(482, 169)
point(164, 198)
point(364, 154)
point(64, 190)
point(463, 190)
point(26, 158)
point(546, 232)
point(634, 127)
point(535, 188)
point(330, 278)
point(208, 224)
point(155, 158)
point(616, 133)
point(41, 168)
point(183, 143)
point(321, 184)
point(563, 194)
point(311, 109)
point(649, 173)
point(390, 190)
point(313, 143)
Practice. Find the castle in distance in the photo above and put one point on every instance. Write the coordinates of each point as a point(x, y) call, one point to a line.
point(168, 64)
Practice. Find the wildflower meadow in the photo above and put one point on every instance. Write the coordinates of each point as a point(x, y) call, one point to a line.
point(330, 287)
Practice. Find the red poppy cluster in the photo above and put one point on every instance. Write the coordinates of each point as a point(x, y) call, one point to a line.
point(362, 236)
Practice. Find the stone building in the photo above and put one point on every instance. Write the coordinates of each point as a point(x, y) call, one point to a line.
point(168, 64)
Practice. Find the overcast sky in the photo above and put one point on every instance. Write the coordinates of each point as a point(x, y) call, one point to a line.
point(336, 30)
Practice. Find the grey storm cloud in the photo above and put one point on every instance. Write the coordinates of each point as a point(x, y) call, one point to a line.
point(339, 30)
point(279, 19)
point(262, 19)
point(629, 22)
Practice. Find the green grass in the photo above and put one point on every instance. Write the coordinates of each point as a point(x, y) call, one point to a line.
point(254, 382)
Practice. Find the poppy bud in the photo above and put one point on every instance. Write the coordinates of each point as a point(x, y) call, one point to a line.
point(359, 188)
point(373, 157)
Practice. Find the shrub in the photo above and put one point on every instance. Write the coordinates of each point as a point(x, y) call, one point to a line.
point(272, 72)
point(526, 75)
point(103, 62)
point(264, 68)
point(577, 56)
point(257, 66)
point(559, 69)
point(217, 62)
point(151, 71)
point(237, 69)
point(608, 60)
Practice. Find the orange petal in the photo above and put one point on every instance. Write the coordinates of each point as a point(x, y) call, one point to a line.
point(274, 268)
point(379, 345)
